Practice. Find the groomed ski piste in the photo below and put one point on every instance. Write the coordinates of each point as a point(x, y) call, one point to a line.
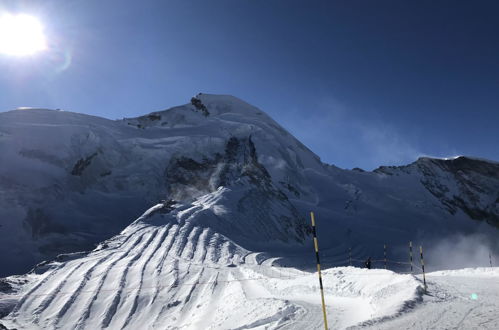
point(165, 271)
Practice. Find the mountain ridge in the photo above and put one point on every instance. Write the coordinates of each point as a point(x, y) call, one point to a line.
point(105, 173)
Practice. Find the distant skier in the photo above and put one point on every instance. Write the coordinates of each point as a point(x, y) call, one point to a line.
point(368, 263)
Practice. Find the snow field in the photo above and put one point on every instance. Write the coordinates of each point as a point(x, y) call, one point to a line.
point(456, 299)
point(180, 276)
point(160, 273)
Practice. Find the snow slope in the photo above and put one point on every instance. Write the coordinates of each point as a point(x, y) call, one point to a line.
point(160, 274)
point(69, 181)
point(167, 271)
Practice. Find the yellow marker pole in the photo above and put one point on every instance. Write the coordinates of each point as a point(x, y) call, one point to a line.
point(422, 266)
point(316, 246)
point(410, 253)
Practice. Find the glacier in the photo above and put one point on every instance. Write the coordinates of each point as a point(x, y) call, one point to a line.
point(221, 194)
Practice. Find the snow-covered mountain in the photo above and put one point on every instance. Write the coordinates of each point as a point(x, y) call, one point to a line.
point(68, 181)
point(221, 194)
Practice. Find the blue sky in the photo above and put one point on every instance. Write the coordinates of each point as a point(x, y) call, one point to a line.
point(361, 83)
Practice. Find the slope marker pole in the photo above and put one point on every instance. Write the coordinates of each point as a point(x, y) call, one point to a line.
point(316, 246)
point(422, 266)
point(384, 253)
point(410, 254)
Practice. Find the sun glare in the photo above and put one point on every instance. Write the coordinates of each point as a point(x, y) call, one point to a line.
point(21, 35)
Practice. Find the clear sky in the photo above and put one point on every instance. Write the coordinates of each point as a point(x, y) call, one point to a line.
point(361, 83)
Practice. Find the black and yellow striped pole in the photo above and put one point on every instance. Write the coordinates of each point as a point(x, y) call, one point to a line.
point(422, 266)
point(410, 254)
point(316, 246)
point(384, 253)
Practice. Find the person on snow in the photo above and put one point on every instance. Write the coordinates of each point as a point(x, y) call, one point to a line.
point(368, 263)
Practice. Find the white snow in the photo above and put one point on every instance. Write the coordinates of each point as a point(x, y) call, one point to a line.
point(169, 271)
point(160, 273)
point(456, 299)
point(148, 278)
point(213, 260)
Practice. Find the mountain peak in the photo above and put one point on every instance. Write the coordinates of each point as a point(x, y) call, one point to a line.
point(222, 104)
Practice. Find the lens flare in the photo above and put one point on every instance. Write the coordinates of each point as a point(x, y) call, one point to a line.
point(21, 35)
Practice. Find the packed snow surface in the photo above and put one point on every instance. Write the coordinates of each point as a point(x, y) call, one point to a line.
point(457, 299)
point(163, 274)
point(167, 271)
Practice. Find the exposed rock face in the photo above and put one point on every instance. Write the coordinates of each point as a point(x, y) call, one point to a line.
point(467, 184)
point(82, 163)
point(40, 224)
point(258, 202)
point(200, 106)
point(188, 178)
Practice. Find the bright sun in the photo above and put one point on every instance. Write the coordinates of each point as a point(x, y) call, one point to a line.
point(21, 35)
